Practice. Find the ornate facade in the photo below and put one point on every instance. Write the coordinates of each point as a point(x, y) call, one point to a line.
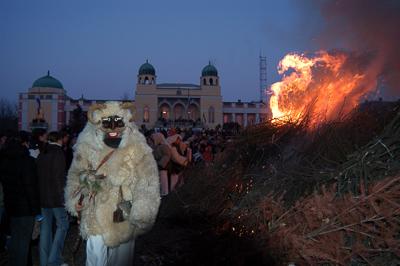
point(46, 104)
point(178, 103)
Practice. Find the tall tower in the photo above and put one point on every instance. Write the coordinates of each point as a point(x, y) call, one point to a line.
point(210, 99)
point(146, 95)
point(147, 74)
point(263, 78)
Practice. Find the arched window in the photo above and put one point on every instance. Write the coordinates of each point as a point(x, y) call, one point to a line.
point(226, 118)
point(146, 114)
point(140, 81)
point(251, 118)
point(193, 112)
point(216, 81)
point(164, 111)
point(179, 111)
point(146, 80)
point(211, 81)
point(211, 115)
point(152, 81)
point(204, 82)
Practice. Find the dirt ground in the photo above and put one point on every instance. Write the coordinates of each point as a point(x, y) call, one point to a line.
point(176, 239)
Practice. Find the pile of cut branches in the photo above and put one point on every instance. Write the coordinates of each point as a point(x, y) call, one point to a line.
point(323, 229)
point(328, 196)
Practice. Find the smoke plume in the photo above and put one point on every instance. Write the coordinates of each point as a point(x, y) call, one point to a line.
point(366, 26)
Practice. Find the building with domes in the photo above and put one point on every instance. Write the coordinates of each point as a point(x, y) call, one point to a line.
point(43, 106)
point(46, 104)
point(179, 104)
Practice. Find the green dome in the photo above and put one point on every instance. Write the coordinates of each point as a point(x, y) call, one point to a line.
point(147, 69)
point(209, 70)
point(48, 82)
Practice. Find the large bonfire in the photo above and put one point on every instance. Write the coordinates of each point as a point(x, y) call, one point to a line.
point(324, 86)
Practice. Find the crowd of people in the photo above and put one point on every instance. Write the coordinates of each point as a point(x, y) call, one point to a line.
point(175, 149)
point(33, 170)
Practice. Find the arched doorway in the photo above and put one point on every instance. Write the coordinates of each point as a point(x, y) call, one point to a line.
point(239, 119)
point(146, 114)
point(179, 111)
point(251, 119)
point(193, 112)
point(164, 111)
point(211, 114)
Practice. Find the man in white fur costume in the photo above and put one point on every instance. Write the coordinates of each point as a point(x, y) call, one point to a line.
point(112, 185)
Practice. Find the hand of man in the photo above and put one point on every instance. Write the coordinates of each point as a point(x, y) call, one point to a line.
point(79, 207)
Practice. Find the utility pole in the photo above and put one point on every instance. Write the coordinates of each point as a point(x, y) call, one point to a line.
point(187, 105)
point(263, 78)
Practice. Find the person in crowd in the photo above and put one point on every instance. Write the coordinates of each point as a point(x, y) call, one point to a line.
point(67, 148)
point(20, 185)
point(38, 142)
point(164, 132)
point(186, 151)
point(3, 139)
point(113, 185)
point(143, 129)
point(70, 151)
point(179, 161)
point(2, 235)
point(65, 138)
point(162, 155)
point(171, 132)
point(207, 153)
point(51, 166)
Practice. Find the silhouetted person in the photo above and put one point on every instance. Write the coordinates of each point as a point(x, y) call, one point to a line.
point(51, 166)
point(178, 161)
point(162, 155)
point(18, 176)
point(38, 142)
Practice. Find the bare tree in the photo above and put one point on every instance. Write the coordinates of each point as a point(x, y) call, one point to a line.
point(8, 115)
point(78, 120)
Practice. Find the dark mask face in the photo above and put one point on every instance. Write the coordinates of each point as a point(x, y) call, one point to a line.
point(112, 122)
point(112, 126)
point(112, 142)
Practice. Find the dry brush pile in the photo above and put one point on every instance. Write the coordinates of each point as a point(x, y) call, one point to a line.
point(330, 196)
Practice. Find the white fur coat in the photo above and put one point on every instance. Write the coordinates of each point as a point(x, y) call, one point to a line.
point(131, 166)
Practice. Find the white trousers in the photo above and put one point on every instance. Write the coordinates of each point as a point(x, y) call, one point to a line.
point(98, 254)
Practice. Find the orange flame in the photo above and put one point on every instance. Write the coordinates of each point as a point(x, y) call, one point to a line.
point(324, 86)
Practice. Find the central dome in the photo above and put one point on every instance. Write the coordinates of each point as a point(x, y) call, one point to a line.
point(209, 70)
point(147, 69)
point(47, 82)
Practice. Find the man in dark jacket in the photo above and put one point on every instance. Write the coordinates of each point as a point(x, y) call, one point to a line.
point(21, 196)
point(52, 178)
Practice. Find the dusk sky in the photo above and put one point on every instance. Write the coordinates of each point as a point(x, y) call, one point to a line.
point(95, 48)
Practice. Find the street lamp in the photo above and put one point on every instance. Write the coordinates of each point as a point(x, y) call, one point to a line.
point(187, 104)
